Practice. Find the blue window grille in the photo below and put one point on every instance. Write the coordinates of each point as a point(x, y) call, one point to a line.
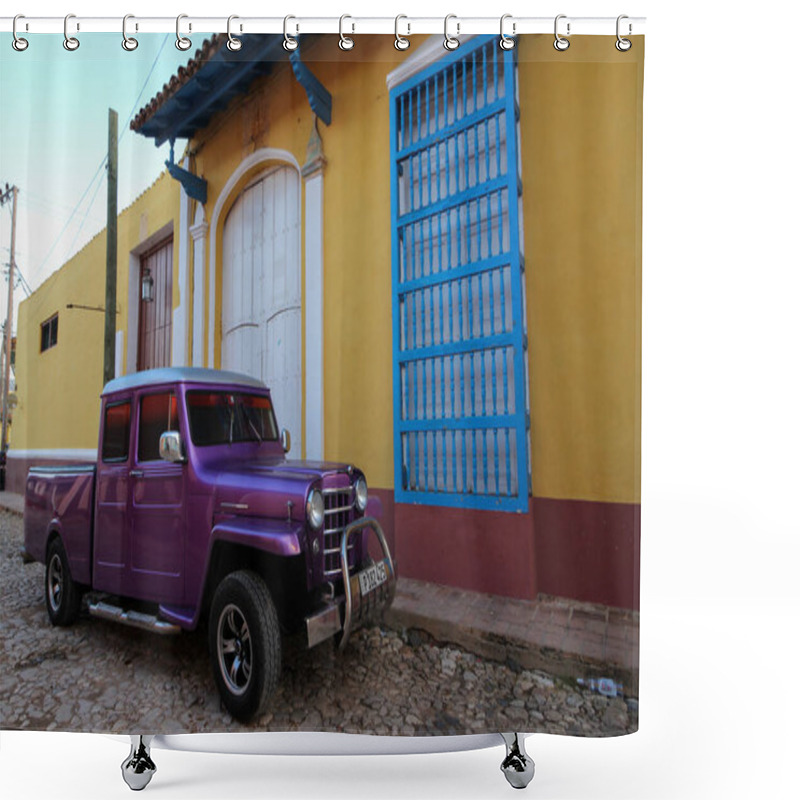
point(460, 376)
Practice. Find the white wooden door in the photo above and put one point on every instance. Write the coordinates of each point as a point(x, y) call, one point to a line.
point(261, 333)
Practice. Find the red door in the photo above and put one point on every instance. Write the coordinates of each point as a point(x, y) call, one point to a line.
point(155, 316)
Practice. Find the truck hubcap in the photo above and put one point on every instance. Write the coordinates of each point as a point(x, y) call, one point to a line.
point(234, 649)
point(55, 583)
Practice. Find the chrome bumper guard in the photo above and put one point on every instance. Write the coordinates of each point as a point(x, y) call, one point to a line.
point(358, 608)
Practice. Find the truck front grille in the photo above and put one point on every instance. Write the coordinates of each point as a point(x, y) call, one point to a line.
point(339, 504)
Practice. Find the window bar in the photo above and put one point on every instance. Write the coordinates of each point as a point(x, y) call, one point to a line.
point(496, 466)
point(494, 381)
point(485, 464)
point(481, 308)
point(508, 464)
point(424, 457)
point(497, 152)
point(484, 55)
point(428, 108)
point(488, 148)
point(464, 459)
point(494, 75)
point(416, 460)
point(419, 111)
point(505, 380)
point(452, 386)
point(402, 122)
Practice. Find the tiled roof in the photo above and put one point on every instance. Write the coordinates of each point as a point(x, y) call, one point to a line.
point(208, 49)
point(206, 85)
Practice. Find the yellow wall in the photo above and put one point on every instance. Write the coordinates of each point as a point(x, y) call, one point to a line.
point(580, 120)
point(59, 390)
point(580, 131)
point(580, 137)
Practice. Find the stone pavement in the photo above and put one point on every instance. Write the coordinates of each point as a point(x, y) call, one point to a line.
point(563, 637)
point(12, 502)
point(560, 636)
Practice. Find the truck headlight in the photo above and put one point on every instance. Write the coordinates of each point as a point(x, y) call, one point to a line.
point(315, 509)
point(361, 493)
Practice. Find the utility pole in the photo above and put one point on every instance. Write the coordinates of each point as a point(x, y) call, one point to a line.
point(109, 349)
point(12, 193)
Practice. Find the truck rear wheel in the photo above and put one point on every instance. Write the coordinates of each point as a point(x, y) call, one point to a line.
point(245, 642)
point(61, 593)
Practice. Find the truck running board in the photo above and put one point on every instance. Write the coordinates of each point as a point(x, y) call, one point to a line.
point(135, 619)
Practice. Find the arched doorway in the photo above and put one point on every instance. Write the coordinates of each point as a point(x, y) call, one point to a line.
point(261, 300)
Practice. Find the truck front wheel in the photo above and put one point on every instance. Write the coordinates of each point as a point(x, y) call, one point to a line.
point(61, 593)
point(245, 643)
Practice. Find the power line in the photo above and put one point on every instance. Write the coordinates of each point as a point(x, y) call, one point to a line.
point(100, 167)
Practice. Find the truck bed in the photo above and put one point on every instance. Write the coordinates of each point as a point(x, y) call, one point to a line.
point(61, 500)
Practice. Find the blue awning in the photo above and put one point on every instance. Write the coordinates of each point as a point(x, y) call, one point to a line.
point(213, 79)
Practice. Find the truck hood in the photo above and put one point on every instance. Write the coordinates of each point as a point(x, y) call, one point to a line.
point(266, 486)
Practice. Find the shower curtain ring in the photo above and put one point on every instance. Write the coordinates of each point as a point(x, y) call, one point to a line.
point(128, 42)
point(451, 42)
point(400, 42)
point(182, 42)
point(70, 42)
point(234, 44)
point(345, 42)
point(19, 44)
point(289, 43)
point(507, 42)
point(560, 42)
point(623, 45)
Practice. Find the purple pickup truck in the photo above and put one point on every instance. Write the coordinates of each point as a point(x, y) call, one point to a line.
point(194, 514)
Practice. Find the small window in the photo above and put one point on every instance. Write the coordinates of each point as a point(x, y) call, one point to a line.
point(158, 413)
point(49, 333)
point(117, 432)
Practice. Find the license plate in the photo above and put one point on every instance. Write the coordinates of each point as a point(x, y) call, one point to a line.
point(372, 577)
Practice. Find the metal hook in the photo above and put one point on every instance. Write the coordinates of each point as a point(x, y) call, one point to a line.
point(128, 42)
point(345, 42)
point(290, 43)
point(560, 43)
point(400, 42)
point(451, 42)
point(182, 42)
point(70, 42)
point(623, 45)
point(507, 42)
point(234, 44)
point(19, 44)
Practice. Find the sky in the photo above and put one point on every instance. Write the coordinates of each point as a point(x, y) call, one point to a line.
point(54, 140)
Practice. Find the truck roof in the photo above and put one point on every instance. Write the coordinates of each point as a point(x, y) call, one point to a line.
point(152, 377)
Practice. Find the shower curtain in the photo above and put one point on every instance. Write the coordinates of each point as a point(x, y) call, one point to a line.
point(432, 259)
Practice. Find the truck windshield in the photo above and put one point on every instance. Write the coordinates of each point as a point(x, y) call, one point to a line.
point(228, 417)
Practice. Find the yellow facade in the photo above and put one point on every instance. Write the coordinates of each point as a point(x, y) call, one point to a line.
point(581, 195)
point(59, 389)
point(579, 127)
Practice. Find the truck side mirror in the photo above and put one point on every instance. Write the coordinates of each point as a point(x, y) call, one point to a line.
point(170, 447)
point(286, 440)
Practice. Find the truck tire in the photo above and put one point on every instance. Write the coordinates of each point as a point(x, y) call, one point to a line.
point(61, 594)
point(245, 642)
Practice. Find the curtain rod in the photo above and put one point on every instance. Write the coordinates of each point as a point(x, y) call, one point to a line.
point(406, 25)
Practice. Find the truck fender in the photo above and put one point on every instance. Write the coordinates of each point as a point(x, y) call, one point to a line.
point(278, 537)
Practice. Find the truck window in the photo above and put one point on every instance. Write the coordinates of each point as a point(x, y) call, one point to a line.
point(117, 431)
point(229, 417)
point(158, 413)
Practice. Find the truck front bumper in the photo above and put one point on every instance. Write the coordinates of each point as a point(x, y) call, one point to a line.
point(367, 593)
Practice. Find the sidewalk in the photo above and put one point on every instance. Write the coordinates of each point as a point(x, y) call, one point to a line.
point(11, 501)
point(561, 636)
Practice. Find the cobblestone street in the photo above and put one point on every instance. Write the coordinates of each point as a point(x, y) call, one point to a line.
point(102, 677)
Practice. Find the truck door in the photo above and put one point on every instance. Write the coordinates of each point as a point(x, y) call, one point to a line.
point(157, 495)
point(111, 528)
